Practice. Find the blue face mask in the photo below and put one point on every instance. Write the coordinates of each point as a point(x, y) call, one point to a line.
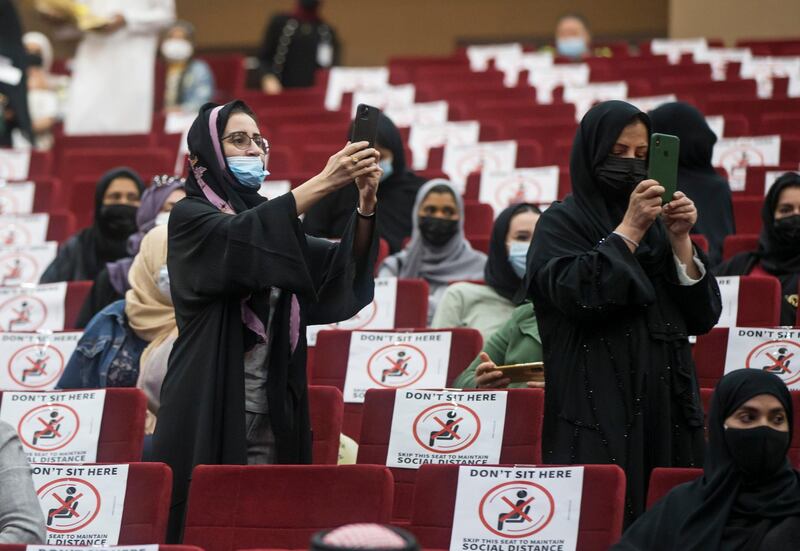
point(518, 257)
point(573, 47)
point(249, 171)
point(386, 167)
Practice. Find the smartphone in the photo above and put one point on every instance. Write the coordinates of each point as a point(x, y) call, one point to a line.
point(522, 373)
point(365, 125)
point(662, 164)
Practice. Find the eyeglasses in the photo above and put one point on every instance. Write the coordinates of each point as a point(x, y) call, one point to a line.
point(242, 141)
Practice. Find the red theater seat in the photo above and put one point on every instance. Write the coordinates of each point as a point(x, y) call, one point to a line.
point(602, 506)
point(47, 194)
point(747, 214)
point(700, 241)
point(93, 163)
point(60, 226)
point(327, 408)
point(664, 479)
point(77, 291)
point(334, 346)
point(709, 356)
point(280, 506)
point(147, 499)
point(478, 219)
point(739, 243)
point(122, 430)
point(522, 437)
point(41, 165)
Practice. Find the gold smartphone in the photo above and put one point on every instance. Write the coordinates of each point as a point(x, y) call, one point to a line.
point(523, 373)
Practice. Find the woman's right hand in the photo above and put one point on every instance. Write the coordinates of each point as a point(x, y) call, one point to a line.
point(644, 207)
point(356, 159)
point(487, 375)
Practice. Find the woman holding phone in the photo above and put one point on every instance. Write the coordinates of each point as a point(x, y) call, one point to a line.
point(618, 287)
point(245, 281)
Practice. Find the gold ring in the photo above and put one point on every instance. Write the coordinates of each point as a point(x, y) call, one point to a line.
point(354, 160)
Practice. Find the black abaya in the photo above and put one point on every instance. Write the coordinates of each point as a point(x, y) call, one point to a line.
point(621, 386)
point(725, 510)
point(16, 96)
point(697, 178)
point(216, 261)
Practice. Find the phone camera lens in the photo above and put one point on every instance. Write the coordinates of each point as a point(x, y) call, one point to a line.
point(658, 142)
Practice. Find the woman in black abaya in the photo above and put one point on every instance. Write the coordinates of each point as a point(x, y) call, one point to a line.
point(245, 281)
point(748, 498)
point(778, 253)
point(696, 177)
point(618, 287)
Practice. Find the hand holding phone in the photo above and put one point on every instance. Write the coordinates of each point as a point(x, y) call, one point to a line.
point(365, 124)
point(523, 373)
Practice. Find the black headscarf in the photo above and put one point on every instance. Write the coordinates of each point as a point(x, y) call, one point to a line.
point(208, 161)
point(11, 47)
point(697, 178)
point(780, 257)
point(498, 273)
point(721, 510)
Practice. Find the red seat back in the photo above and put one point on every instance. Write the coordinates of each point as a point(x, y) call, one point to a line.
point(47, 194)
point(334, 347)
point(709, 356)
point(60, 226)
point(759, 302)
point(700, 241)
point(602, 506)
point(664, 479)
point(478, 219)
point(147, 498)
point(77, 291)
point(122, 428)
point(327, 408)
point(281, 506)
point(739, 243)
point(747, 214)
point(93, 163)
point(522, 436)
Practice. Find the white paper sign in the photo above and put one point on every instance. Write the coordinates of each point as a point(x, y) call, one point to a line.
point(736, 154)
point(34, 361)
point(432, 112)
point(775, 351)
point(275, 188)
point(480, 55)
point(793, 89)
point(9, 74)
point(82, 505)
point(378, 314)
point(462, 160)
point(350, 79)
point(771, 175)
point(586, 95)
point(648, 103)
point(519, 508)
point(56, 427)
point(674, 48)
point(717, 124)
point(719, 58)
point(423, 137)
point(25, 265)
point(546, 79)
point(32, 308)
point(511, 65)
point(16, 198)
point(764, 68)
point(385, 97)
point(501, 188)
point(395, 360)
point(729, 295)
point(23, 229)
point(178, 122)
point(446, 426)
point(14, 164)
point(149, 547)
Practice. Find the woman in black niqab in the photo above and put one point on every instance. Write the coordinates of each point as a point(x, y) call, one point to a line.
point(86, 253)
point(696, 176)
point(615, 317)
point(778, 252)
point(748, 498)
point(245, 281)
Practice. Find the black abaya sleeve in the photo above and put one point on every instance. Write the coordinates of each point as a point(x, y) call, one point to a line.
point(269, 45)
point(344, 282)
point(700, 303)
point(586, 282)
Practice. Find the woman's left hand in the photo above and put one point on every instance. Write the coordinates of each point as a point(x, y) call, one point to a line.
point(368, 187)
point(679, 215)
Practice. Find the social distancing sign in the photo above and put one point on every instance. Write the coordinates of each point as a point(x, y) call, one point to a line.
point(516, 509)
point(395, 360)
point(775, 351)
point(462, 160)
point(736, 154)
point(502, 189)
point(729, 296)
point(21, 265)
point(446, 426)
point(56, 427)
point(378, 314)
point(17, 198)
point(151, 547)
point(23, 229)
point(34, 361)
point(82, 505)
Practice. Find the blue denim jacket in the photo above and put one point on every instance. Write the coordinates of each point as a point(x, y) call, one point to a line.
point(107, 354)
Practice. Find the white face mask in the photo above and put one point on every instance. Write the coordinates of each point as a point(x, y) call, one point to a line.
point(163, 283)
point(162, 218)
point(177, 49)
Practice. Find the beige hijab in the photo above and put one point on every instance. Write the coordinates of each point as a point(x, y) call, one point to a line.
point(151, 316)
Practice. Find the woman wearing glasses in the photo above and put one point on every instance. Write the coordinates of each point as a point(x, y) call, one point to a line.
point(245, 281)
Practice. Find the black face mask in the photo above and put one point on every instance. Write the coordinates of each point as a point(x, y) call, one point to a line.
point(437, 231)
point(788, 229)
point(118, 220)
point(309, 4)
point(619, 176)
point(758, 453)
point(35, 60)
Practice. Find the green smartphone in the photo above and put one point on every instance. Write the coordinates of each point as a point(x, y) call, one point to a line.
point(662, 164)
